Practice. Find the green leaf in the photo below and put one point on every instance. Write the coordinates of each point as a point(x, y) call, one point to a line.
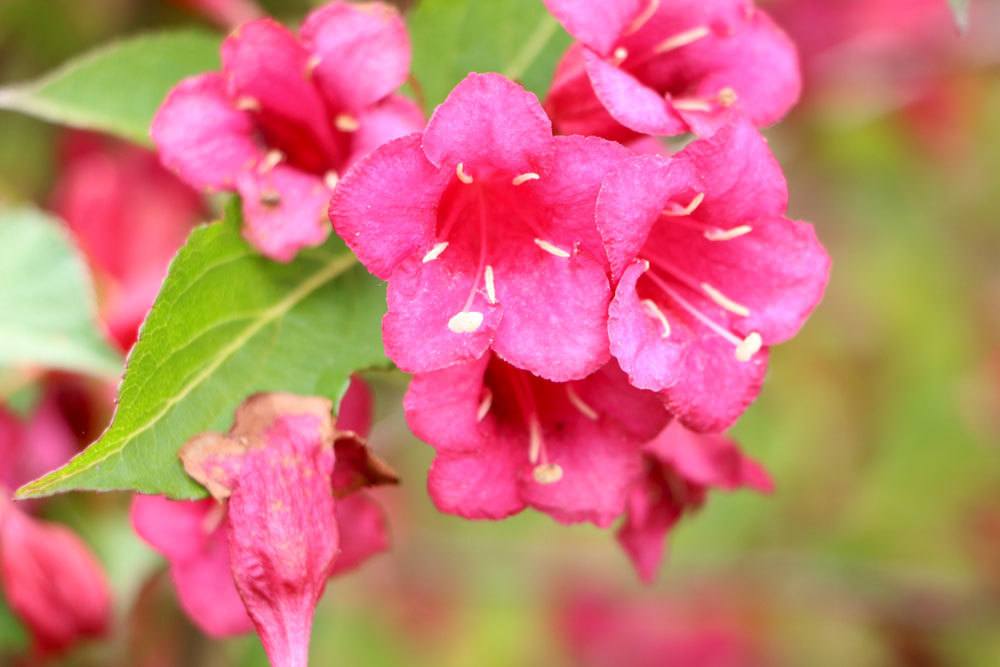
point(960, 8)
point(116, 88)
point(47, 312)
point(227, 323)
point(518, 38)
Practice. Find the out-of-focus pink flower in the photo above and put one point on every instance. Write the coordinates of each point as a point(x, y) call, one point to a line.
point(669, 67)
point(484, 228)
point(29, 449)
point(507, 439)
point(293, 517)
point(681, 467)
point(51, 581)
point(599, 630)
point(289, 114)
point(225, 13)
point(129, 216)
point(709, 272)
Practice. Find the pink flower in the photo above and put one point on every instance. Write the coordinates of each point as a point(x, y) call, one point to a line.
point(484, 228)
point(681, 467)
point(709, 272)
point(51, 581)
point(29, 449)
point(507, 440)
point(288, 114)
point(129, 216)
point(226, 13)
point(669, 67)
point(293, 518)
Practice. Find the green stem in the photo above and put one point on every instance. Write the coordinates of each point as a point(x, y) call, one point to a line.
point(546, 28)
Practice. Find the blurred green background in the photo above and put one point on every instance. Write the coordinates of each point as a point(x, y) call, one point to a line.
point(880, 423)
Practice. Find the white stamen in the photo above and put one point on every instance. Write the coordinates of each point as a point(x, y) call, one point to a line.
point(551, 249)
point(717, 234)
point(748, 347)
point(331, 179)
point(547, 473)
point(534, 440)
point(484, 405)
point(435, 252)
point(678, 211)
point(346, 123)
point(247, 103)
point(521, 179)
point(462, 176)
point(580, 404)
point(312, 64)
point(728, 97)
point(725, 302)
point(653, 310)
point(491, 289)
point(682, 39)
point(691, 104)
point(619, 55)
point(641, 19)
point(467, 321)
point(270, 161)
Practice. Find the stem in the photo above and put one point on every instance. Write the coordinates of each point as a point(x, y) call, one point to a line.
point(544, 31)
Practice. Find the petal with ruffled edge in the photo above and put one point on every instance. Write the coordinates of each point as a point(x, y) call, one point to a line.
point(481, 484)
point(488, 123)
point(394, 117)
point(442, 407)
point(599, 25)
point(361, 52)
point(202, 136)
point(284, 211)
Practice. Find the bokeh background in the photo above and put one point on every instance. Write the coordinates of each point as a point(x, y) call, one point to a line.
point(880, 423)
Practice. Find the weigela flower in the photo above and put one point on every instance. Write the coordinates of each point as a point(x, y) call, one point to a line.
point(31, 447)
point(484, 227)
point(129, 215)
point(51, 581)
point(226, 13)
point(681, 467)
point(288, 114)
point(669, 67)
point(709, 272)
point(218, 569)
point(507, 440)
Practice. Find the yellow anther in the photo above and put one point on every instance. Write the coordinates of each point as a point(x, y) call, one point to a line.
point(270, 161)
point(547, 473)
point(466, 321)
point(691, 104)
point(491, 290)
point(724, 301)
point(331, 179)
point(270, 198)
point(345, 122)
point(312, 64)
point(619, 55)
point(247, 103)
point(728, 97)
point(676, 211)
point(435, 252)
point(462, 176)
point(521, 179)
point(534, 440)
point(551, 249)
point(717, 234)
point(748, 347)
point(484, 405)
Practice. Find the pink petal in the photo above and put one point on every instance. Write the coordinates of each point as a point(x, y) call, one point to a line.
point(363, 52)
point(490, 124)
point(31, 449)
point(356, 406)
point(442, 407)
point(482, 484)
point(631, 102)
point(357, 467)
point(394, 117)
point(363, 531)
point(385, 207)
point(284, 211)
point(708, 460)
point(201, 136)
point(178, 530)
point(652, 512)
point(599, 25)
point(573, 105)
point(639, 414)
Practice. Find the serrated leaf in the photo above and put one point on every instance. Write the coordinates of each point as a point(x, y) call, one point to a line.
point(960, 9)
point(451, 38)
point(116, 88)
point(47, 312)
point(227, 323)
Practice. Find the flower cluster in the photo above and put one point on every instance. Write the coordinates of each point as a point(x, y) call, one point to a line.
point(583, 318)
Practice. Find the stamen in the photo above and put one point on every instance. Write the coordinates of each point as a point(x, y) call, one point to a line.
point(435, 252)
point(691, 104)
point(690, 308)
point(270, 198)
point(534, 439)
point(270, 161)
point(247, 103)
point(551, 249)
point(728, 97)
point(717, 234)
point(312, 64)
point(547, 473)
point(491, 290)
point(641, 19)
point(682, 39)
point(462, 176)
point(466, 321)
point(619, 55)
point(525, 177)
point(484, 405)
point(331, 179)
point(677, 211)
point(346, 123)
point(725, 302)
point(653, 310)
point(580, 404)
point(748, 347)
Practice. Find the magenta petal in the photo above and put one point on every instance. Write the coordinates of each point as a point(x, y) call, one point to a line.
point(599, 25)
point(482, 484)
point(363, 531)
point(573, 105)
point(651, 514)
point(363, 52)
point(488, 123)
point(441, 407)
point(710, 460)
point(201, 135)
point(178, 530)
point(396, 116)
point(355, 410)
point(285, 211)
point(637, 413)
point(385, 207)
point(631, 102)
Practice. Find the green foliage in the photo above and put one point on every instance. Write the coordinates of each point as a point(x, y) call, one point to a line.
point(453, 37)
point(117, 88)
point(47, 313)
point(227, 323)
